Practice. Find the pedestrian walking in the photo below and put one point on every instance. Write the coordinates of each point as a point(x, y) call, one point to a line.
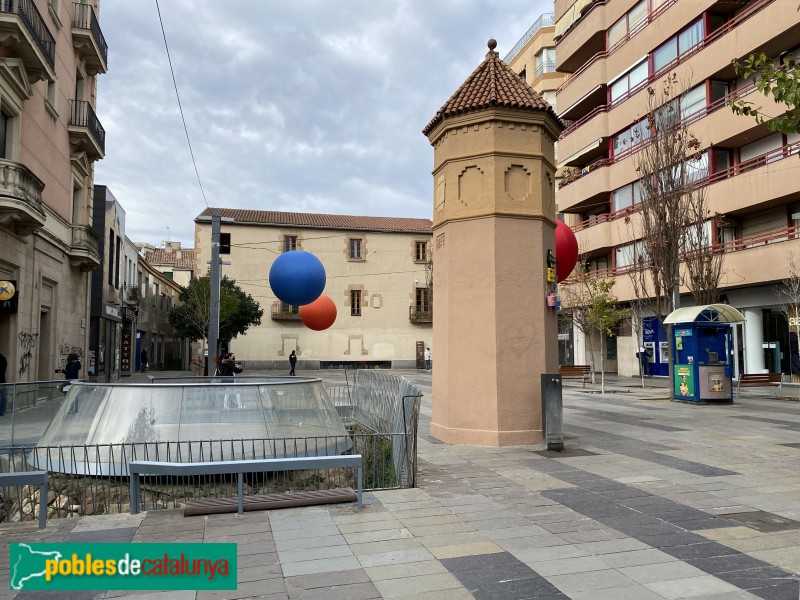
point(645, 364)
point(143, 360)
point(292, 362)
point(427, 359)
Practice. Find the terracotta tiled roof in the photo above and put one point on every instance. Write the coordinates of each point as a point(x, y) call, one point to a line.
point(161, 257)
point(292, 219)
point(491, 84)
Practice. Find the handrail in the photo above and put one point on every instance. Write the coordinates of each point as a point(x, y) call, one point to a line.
point(544, 20)
point(86, 18)
point(30, 478)
point(82, 115)
point(651, 16)
point(34, 23)
point(732, 171)
point(545, 67)
point(706, 41)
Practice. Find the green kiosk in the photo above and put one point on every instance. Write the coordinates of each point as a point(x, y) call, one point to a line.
point(702, 339)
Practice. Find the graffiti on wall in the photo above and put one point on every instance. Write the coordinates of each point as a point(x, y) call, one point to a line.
point(64, 350)
point(27, 342)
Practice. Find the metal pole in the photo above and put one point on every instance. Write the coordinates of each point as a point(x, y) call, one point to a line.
point(213, 283)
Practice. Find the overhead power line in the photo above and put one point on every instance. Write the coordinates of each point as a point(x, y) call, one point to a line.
point(180, 107)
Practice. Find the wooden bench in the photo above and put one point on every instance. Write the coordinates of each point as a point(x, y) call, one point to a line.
point(759, 380)
point(239, 467)
point(583, 372)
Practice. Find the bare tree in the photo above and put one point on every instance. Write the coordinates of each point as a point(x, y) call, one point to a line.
point(789, 294)
point(574, 295)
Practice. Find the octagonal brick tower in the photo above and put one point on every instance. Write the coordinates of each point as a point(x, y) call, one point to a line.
point(493, 223)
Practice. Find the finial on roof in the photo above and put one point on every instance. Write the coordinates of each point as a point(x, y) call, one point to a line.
point(492, 43)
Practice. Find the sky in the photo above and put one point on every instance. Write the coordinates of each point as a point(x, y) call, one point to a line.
point(305, 105)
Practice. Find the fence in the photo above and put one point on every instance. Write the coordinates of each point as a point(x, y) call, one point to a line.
point(380, 412)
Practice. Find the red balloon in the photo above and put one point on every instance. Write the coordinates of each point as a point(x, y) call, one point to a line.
point(566, 250)
point(318, 315)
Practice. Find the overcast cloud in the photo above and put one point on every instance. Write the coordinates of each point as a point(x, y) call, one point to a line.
point(305, 105)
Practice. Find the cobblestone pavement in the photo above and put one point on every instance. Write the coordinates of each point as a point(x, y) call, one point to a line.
point(652, 499)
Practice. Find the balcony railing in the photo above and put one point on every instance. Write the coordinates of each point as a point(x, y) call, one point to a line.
point(34, 23)
point(545, 67)
point(765, 238)
point(420, 314)
point(82, 115)
point(86, 19)
point(20, 198)
point(284, 313)
point(732, 171)
point(84, 251)
point(133, 295)
point(651, 16)
point(704, 43)
point(545, 20)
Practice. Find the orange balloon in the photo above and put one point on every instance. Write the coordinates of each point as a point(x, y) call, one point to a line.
point(318, 315)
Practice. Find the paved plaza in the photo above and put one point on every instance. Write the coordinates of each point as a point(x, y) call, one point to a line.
point(652, 499)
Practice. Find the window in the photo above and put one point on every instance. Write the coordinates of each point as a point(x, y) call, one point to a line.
point(629, 254)
point(116, 266)
point(355, 248)
point(628, 82)
point(626, 196)
point(422, 302)
point(4, 124)
point(421, 254)
point(678, 45)
point(289, 243)
point(600, 263)
point(355, 303)
point(545, 61)
point(289, 309)
point(634, 135)
point(523, 75)
point(631, 22)
point(110, 257)
point(693, 101)
point(224, 243)
point(77, 204)
point(50, 98)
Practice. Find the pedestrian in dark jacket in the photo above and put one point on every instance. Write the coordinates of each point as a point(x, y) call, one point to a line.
point(143, 358)
point(72, 369)
point(292, 362)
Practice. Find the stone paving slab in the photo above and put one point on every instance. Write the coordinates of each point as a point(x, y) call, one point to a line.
point(635, 510)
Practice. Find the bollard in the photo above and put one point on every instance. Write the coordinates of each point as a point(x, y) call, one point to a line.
point(552, 412)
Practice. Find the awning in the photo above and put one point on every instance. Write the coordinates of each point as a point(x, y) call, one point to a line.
point(710, 313)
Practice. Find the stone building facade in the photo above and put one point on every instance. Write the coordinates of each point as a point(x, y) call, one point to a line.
point(50, 136)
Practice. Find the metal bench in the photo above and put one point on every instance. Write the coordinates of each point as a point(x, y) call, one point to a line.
point(240, 467)
point(759, 380)
point(582, 372)
point(30, 478)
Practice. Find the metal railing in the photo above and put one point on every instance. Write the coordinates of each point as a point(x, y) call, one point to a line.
point(545, 67)
point(380, 412)
point(420, 314)
point(34, 23)
point(285, 313)
point(545, 20)
point(86, 18)
point(82, 115)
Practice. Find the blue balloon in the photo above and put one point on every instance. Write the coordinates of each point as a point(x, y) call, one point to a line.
point(297, 278)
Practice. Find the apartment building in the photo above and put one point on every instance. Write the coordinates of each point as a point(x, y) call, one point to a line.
point(613, 51)
point(50, 137)
point(376, 274)
point(533, 57)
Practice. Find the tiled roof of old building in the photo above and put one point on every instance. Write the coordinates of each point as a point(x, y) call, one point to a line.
point(161, 257)
point(316, 220)
point(492, 84)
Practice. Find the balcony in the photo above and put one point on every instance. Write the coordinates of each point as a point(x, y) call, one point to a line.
point(85, 130)
point(132, 295)
point(420, 314)
point(24, 33)
point(285, 313)
point(20, 198)
point(544, 20)
point(84, 252)
point(88, 40)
